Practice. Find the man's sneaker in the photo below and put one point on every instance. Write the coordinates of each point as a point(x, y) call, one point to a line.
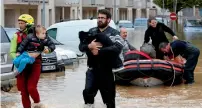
point(189, 82)
point(88, 105)
point(38, 105)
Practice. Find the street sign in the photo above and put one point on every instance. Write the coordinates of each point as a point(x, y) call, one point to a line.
point(173, 16)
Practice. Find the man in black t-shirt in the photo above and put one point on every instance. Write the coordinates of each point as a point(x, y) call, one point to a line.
point(187, 51)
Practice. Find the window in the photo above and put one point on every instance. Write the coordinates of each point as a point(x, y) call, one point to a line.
point(4, 36)
point(92, 2)
point(52, 33)
point(10, 32)
point(55, 41)
point(194, 23)
point(141, 23)
point(126, 25)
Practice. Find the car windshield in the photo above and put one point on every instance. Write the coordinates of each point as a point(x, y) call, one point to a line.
point(10, 32)
point(4, 37)
point(55, 41)
point(140, 23)
point(159, 20)
point(194, 23)
point(126, 25)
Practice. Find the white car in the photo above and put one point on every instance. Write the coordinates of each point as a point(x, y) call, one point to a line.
point(54, 61)
point(162, 20)
point(68, 32)
point(64, 54)
point(126, 24)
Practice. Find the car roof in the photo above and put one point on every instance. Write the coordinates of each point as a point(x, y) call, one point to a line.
point(125, 21)
point(141, 19)
point(191, 18)
point(10, 28)
point(77, 23)
point(159, 17)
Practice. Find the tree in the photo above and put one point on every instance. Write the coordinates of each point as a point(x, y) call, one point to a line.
point(181, 4)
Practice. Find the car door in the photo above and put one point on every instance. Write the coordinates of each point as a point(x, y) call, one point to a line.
point(6, 62)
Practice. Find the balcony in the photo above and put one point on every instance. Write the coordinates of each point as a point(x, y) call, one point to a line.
point(34, 2)
point(123, 3)
point(94, 3)
point(130, 3)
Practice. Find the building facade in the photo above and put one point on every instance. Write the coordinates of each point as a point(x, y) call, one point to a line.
point(60, 10)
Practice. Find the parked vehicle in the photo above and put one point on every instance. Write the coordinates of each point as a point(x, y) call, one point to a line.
point(162, 20)
point(50, 62)
point(141, 23)
point(67, 32)
point(126, 24)
point(7, 75)
point(65, 54)
point(192, 28)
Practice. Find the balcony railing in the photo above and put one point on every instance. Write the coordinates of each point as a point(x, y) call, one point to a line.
point(33, 1)
point(24, 1)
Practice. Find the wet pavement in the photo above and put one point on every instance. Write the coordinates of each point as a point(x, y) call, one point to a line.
point(64, 89)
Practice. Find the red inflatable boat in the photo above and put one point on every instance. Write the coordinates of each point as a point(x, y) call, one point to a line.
point(140, 69)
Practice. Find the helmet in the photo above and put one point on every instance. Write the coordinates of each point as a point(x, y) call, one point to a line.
point(27, 18)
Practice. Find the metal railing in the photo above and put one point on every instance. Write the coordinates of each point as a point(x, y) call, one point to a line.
point(32, 1)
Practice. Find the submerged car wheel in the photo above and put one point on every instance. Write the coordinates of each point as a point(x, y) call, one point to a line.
point(61, 69)
point(6, 88)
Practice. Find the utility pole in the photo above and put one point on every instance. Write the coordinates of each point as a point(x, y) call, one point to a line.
point(43, 21)
point(174, 10)
point(115, 11)
point(81, 9)
point(2, 13)
point(145, 4)
point(163, 8)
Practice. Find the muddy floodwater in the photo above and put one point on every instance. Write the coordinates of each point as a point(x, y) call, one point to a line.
point(64, 89)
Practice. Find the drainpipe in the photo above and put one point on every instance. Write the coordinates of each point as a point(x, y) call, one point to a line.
point(44, 14)
point(114, 10)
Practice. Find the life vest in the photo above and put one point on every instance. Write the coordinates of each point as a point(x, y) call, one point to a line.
point(20, 37)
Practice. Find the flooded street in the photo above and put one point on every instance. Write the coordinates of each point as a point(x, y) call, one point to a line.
point(64, 90)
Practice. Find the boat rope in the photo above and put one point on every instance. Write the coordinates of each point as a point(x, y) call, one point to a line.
point(174, 73)
point(123, 78)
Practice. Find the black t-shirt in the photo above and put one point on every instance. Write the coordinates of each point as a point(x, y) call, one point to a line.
point(157, 34)
point(178, 47)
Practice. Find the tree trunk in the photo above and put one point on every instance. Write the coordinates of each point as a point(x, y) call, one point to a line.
point(177, 22)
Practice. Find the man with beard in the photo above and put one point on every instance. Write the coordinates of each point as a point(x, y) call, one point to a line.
point(99, 74)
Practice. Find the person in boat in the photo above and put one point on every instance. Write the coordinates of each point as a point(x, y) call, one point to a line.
point(186, 50)
point(148, 49)
point(127, 46)
point(156, 31)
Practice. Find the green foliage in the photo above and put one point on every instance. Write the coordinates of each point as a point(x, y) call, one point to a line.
point(181, 4)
